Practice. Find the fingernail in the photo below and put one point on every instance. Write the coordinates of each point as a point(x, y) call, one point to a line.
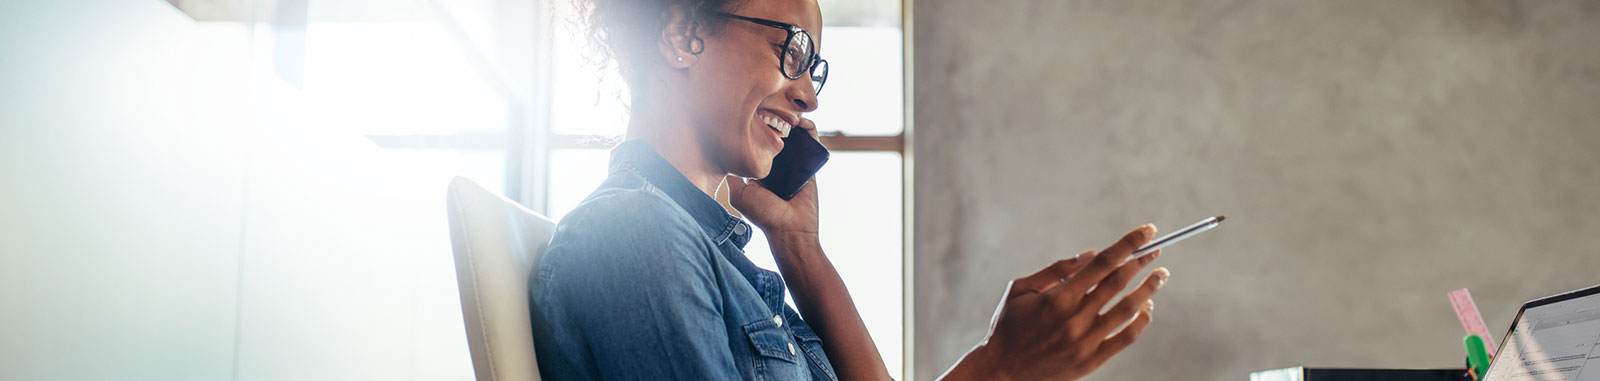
point(1161, 275)
point(1084, 256)
point(1147, 230)
point(1150, 305)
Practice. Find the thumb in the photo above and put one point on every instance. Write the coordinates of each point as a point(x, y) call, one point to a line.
point(742, 192)
point(808, 125)
point(736, 186)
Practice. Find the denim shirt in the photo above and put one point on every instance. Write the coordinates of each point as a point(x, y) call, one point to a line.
point(647, 279)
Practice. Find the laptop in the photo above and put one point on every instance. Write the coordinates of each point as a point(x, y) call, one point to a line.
point(1555, 338)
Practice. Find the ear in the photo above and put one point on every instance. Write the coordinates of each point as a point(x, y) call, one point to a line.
point(679, 44)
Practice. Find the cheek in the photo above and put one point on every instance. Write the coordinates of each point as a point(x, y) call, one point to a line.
point(733, 85)
point(726, 128)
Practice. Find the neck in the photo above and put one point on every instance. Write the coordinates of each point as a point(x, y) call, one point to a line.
point(670, 133)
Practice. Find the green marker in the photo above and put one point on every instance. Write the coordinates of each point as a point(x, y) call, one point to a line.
point(1477, 354)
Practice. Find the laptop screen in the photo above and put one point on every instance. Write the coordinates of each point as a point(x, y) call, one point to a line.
point(1554, 338)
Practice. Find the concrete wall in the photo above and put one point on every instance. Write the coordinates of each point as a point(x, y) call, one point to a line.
point(1372, 155)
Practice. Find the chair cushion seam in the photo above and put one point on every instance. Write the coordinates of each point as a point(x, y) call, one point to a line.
point(472, 269)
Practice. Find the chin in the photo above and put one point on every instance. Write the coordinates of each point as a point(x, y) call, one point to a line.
point(757, 167)
point(760, 164)
point(761, 171)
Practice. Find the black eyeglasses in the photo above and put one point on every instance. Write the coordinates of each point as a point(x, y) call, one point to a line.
point(799, 54)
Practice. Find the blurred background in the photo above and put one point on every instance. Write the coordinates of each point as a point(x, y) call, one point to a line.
point(254, 189)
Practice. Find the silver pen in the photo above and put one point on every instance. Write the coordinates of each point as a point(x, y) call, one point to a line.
point(1176, 236)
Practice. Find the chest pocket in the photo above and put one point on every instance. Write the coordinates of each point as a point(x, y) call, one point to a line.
point(811, 348)
point(777, 355)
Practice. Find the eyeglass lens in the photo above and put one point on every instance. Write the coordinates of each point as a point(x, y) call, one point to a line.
point(797, 55)
point(798, 59)
point(819, 75)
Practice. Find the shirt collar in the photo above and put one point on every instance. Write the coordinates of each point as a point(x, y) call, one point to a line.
point(638, 157)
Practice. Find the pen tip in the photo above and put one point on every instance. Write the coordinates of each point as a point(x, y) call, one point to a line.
point(1220, 218)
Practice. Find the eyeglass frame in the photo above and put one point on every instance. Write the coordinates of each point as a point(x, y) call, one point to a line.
point(816, 58)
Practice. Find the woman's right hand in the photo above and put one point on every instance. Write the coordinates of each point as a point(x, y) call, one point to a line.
point(1049, 326)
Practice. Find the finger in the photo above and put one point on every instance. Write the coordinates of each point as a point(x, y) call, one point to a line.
point(1123, 339)
point(741, 192)
point(1107, 261)
point(808, 125)
point(735, 184)
point(808, 191)
point(1051, 275)
point(1112, 285)
point(1130, 305)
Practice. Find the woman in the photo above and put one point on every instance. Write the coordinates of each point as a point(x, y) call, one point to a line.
point(647, 278)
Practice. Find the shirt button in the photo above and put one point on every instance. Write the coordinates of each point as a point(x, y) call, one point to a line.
point(740, 229)
point(778, 319)
point(791, 349)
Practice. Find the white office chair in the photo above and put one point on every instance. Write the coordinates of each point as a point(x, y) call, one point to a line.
point(496, 242)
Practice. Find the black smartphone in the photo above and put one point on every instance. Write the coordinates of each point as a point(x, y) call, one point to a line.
point(802, 156)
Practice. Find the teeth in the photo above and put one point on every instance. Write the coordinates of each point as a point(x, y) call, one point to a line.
point(777, 124)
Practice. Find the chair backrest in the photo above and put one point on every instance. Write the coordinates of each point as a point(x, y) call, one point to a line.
point(496, 242)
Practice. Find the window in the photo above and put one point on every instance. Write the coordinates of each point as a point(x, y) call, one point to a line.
point(474, 89)
point(339, 123)
point(861, 118)
point(425, 90)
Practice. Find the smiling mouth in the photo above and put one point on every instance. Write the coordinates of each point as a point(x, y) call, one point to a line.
point(777, 125)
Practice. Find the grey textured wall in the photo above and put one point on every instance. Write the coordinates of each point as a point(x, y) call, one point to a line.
point(1372, 155)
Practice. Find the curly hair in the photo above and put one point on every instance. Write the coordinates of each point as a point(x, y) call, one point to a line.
point(626, 31)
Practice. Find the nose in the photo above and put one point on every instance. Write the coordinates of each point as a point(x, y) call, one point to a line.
point(803, 93)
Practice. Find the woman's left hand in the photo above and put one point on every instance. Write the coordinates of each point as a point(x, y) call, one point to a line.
point(781, 219)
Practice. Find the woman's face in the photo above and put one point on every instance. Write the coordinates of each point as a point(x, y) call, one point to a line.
point(738, 87)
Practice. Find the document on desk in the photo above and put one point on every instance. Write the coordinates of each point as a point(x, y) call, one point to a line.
point(1553, 342)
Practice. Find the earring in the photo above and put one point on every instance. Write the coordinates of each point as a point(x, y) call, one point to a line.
point(680, 58)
